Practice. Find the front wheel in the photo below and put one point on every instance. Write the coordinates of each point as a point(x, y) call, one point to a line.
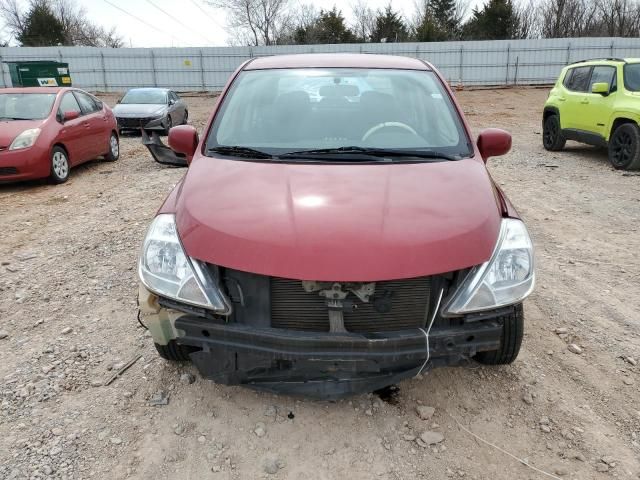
point(552, 138)
point(59, 165)
point(624, 147)
point(185, 120)
point(114, 148)
point(510, 342)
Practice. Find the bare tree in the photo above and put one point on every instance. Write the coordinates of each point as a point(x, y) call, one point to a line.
point(78, 30)
point(12, 16)
point(568, 18)
point(619, 18)
point(528, 20)
point(364, 20)
point(257, 22)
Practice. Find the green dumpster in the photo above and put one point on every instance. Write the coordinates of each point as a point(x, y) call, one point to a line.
point(39, 73)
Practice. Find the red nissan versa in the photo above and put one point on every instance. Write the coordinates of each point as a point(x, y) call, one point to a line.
point(45, 131)
point(336, 231)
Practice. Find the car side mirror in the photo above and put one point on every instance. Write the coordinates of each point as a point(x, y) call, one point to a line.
point(184, 139)
point(70, 115)
point(493, 142)
point(172, 101)
point(600, 87)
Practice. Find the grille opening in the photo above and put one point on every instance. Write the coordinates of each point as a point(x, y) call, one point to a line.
point(205, 333)
point(405, 306)
point(8, 171)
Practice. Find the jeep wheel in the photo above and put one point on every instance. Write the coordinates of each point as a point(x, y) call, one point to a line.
point(512, 332)
point(624, 147)
point(552, 138)
point(174, 352)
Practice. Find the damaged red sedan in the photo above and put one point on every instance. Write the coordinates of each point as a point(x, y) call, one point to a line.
point(337, 231)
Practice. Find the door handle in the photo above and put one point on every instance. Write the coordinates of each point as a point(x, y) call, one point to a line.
point(86, 124)
point(562, 99)
point(584, 102)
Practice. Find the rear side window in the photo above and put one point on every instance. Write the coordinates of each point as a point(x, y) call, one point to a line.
point(86, 103)
point(602, 74)
point(69, 104)
point(577, 79)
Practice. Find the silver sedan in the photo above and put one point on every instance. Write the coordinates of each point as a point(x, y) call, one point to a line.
point(150, 109)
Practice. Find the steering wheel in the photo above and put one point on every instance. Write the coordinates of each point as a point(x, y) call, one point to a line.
point(384, 125)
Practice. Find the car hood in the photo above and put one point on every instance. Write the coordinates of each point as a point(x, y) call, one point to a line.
point(333, 222)
point(9, 130)
point(135, 109)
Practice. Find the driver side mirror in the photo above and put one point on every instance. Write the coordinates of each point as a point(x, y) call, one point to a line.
point(184, 139)
point(493, 142)
point(600, 87)
point(172, 101)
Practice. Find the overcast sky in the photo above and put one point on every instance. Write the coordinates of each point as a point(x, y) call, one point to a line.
point(187, 23)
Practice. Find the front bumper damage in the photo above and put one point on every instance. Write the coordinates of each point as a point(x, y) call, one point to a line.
point(326, 365)
point(160, 152)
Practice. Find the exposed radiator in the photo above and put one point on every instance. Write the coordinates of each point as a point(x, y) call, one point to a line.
point(397, 305)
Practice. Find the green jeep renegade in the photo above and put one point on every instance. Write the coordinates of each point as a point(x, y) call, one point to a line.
point(597, 102)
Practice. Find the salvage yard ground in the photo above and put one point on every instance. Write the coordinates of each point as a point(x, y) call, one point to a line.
point(68, 317)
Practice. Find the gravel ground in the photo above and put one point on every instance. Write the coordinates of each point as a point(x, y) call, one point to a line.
point(568, 405)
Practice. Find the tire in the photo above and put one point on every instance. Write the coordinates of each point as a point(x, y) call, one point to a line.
point(60, 168)
point(552, 138)
point(168, 125)
point(624, 147)
point(114, 148)
point(185, 120)
point(174, 352)
point(512, 332)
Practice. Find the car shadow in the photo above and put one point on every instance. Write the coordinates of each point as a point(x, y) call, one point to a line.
point(25, 185)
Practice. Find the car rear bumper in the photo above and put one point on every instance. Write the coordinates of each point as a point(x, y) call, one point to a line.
point(326, 365)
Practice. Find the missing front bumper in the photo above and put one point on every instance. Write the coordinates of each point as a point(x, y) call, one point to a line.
point(325, 365)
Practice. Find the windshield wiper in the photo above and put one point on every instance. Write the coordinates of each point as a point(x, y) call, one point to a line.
point(15, 118)
point(237, 151)
point(375, 152)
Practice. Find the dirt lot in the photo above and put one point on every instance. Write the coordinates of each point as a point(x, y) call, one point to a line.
point(68, 318)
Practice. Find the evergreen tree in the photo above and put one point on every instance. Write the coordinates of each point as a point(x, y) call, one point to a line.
point(41, 27)
point(498, 20)
point(445, 15)
point(389, 27)
point(329, 27)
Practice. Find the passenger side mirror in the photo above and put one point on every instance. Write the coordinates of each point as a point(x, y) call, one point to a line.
point(493, 142)
point(70, 115)
point(184, 139)
point(600, 87)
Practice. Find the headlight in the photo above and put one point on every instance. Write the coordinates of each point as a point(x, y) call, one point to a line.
point(26, 139)
point(507, 278)
point(166, 270)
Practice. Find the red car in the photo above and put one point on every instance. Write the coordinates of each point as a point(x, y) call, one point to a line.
point(46, 131)
point(336, 231)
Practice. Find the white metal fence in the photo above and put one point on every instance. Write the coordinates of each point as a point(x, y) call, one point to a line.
point(499, 62)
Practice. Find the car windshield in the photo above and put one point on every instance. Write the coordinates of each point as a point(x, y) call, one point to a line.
point(26, 106)
point(632, 77)
point(280, 111)
point(145, 96)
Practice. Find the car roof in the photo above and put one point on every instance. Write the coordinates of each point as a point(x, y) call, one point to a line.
point(337, 60)
point(36, 89)
point(605, 61)
point(149, 88)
